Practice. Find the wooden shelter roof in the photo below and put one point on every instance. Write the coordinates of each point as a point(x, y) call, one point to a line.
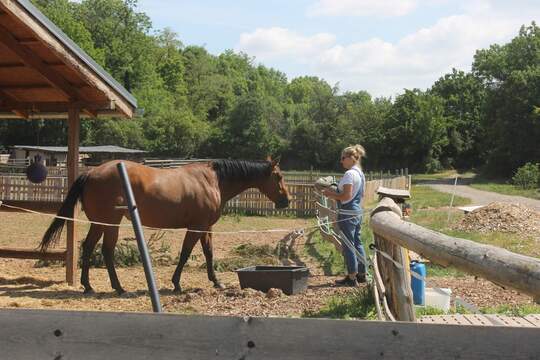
point(104, 149)
point(43, 73)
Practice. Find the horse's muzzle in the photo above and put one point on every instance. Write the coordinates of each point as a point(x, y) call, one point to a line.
point(282, 203)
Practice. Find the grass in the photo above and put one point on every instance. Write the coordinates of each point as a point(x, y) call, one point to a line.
point(446, 174)
point(330, 260)
point(358, 304)
point(505, 188)
point(512, 310)
point(435, 270)
point(426, 197)
point(501, 186)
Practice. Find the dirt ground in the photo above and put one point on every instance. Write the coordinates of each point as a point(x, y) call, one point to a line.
point(26, 286)
point(23, 285)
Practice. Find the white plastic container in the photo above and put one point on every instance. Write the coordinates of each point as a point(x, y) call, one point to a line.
point(439, 299)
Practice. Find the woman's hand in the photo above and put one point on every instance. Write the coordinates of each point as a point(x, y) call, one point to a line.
point(328, 192)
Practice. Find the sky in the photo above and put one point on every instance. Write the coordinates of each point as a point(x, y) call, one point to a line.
point(380, 46)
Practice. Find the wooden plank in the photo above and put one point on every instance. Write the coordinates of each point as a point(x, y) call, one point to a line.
point(57, 49)
point(35, 334)
point(509, 320)
point(32, 254)
point(476, 319)
point(394, 193)
point(29, 59)
point(533, 319)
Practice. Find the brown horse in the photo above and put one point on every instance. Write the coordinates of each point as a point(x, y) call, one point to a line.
point(191, 196)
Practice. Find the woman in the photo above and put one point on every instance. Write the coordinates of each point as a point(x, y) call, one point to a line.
point(349, 196)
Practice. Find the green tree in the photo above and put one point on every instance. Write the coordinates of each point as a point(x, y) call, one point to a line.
point(512, 120)
point(463, 98)
point(416, 131)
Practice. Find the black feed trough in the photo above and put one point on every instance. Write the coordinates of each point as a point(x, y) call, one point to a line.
point(290, 279)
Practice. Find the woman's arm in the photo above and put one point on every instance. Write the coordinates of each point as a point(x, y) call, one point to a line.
point(345, 195)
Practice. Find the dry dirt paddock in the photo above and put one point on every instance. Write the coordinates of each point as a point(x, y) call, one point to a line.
point(24, 285)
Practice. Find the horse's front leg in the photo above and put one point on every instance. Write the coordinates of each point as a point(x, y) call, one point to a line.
point(189, 242)
point(206, 242)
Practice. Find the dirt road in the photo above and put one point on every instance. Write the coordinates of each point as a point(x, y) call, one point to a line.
point(480, 197)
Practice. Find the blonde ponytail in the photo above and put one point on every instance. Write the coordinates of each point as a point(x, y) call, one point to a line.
point(355, 151)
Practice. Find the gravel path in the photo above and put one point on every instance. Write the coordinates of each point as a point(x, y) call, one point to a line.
point(480, 197)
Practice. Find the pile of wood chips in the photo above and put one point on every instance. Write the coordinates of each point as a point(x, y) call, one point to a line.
point(503, 217)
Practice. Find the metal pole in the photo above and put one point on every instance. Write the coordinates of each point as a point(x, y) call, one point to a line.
point(452, 201)
point(143, 250)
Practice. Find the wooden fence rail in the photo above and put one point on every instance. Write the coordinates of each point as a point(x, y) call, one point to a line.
point(498, 265)
point(250, 202)
point(50, 334)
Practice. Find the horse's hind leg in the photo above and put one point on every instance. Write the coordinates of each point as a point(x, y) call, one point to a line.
point(206, 242)
point(88, 247)
point(189, 242)
point(109, 242)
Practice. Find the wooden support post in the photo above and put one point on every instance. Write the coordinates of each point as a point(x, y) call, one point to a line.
point(72, 248)
point(396, 280)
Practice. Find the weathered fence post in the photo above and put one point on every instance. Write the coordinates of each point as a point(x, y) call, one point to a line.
point(396, 279)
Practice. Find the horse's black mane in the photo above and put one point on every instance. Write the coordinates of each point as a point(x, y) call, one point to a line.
point(232, 170)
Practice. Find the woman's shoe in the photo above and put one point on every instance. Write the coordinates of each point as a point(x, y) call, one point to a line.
point(347, 281)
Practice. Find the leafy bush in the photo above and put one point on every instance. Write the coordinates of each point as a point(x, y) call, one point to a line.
point(126, 253)
point(527, 176)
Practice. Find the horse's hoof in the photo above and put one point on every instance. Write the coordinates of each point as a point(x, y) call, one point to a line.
point(120, 291)
point(177, 289)
point(89, 291)
point(219, 286)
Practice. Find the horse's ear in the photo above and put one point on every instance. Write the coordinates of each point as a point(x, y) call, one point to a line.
point(275, 162)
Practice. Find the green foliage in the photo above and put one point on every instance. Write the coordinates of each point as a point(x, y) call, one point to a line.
point(527, 176)
point(416, 130)
point(513, 310)
point(434, 270)
point(463, 97)
point(201, 105)
point(358, 304)
point(427, 310)
point(511, 74)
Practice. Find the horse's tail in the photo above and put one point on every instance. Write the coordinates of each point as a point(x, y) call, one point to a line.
point(66, 210)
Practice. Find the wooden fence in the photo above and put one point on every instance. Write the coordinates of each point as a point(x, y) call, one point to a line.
point(18, 188)
point(51, 334)
point(393, 235)
point(250, 202)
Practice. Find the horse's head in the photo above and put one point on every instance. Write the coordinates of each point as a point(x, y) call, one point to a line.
point(274, 186)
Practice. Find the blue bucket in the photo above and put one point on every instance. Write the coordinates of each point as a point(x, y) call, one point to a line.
point(418, 286)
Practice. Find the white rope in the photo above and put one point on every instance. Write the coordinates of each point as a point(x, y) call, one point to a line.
point(276, 230)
